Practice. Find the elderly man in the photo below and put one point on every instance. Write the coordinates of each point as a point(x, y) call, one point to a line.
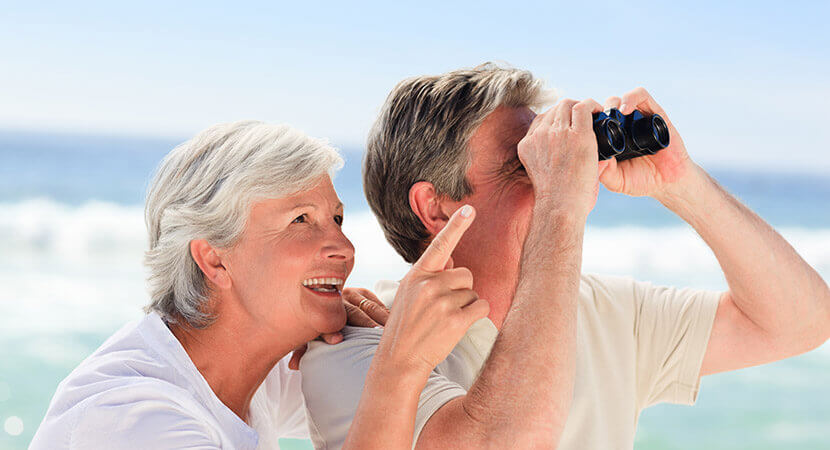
point(564, 359)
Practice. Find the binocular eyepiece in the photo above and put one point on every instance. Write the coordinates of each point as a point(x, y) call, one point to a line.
point(629, 136)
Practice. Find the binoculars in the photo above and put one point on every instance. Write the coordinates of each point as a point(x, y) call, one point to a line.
point(629, 136)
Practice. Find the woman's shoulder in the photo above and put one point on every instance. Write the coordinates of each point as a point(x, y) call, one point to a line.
point(128, 412)
point(136, 353)
point(129, 364)
point(129, 379)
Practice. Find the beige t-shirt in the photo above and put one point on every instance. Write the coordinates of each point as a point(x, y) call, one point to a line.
point(637, 345)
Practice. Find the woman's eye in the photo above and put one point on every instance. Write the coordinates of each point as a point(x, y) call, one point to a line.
point(300, 219)
point(338, 220)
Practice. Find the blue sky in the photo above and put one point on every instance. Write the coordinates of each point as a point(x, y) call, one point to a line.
point(746, 83)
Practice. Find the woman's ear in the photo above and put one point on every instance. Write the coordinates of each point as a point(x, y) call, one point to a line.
point(426, 204)
point(207, 258)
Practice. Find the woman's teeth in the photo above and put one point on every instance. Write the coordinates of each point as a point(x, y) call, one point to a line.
point(323, 284)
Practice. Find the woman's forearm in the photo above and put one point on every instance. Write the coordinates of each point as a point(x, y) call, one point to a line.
point(434, 307)
point(385, 417)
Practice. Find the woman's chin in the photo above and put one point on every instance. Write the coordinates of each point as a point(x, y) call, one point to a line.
point(331, 321)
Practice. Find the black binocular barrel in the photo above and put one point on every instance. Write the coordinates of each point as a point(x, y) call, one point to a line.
point(610, 136)
point(642, 134)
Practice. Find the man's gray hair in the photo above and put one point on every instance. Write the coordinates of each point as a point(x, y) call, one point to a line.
point(204, 189)
point(422, 134)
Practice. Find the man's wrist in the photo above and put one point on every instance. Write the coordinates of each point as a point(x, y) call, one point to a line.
point(685, 190)
point(694, 198)
point(552, 211)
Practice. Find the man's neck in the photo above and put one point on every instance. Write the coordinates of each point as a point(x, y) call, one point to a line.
point(497, 285)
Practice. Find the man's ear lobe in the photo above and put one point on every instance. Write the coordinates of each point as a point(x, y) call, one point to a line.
point(208, 260)
point(426, 204)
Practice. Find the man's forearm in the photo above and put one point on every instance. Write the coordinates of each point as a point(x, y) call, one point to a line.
point(523, 394)
point(768, 281)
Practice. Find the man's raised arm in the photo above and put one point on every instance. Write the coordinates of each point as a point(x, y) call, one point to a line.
point(502, 408)
point(777, 305)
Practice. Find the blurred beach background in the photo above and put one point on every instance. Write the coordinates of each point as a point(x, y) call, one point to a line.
point(93, 95)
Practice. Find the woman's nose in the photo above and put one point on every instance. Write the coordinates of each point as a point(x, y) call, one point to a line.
point(338, 247)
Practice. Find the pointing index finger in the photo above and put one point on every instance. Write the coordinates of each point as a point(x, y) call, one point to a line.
point(435, 257)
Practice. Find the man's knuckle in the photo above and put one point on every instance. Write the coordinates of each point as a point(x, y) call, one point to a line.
point(551, 133)
point(585, 104)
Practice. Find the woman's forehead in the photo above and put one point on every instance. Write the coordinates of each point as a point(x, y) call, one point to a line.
point(321, 195)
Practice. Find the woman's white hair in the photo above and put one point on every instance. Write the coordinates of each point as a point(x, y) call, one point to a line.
point(204, 189)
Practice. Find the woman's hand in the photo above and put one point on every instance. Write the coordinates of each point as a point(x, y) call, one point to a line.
point(434, 305)
point(363, 309)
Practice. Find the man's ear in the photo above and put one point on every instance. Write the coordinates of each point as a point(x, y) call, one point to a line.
point(208, 260)
point(426, 204)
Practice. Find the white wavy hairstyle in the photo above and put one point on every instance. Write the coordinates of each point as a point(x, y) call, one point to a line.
point(204, 189)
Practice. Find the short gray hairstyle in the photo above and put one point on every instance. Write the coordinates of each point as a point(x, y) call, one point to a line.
point(204, 189)
point(422, 134)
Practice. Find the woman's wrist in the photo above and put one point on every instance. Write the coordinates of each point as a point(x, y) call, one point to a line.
point(404, 374)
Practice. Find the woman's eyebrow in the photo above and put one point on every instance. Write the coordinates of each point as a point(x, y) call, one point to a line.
point(339, 205)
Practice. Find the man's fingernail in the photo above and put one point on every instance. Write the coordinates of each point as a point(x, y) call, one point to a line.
point(379, 326)
point(466, 211)
point(623, 107)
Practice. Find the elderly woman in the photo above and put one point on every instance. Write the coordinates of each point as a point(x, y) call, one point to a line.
point(247, 262)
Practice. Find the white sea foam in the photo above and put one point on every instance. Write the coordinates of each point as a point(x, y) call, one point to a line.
point(71, 275)
point(78, 268)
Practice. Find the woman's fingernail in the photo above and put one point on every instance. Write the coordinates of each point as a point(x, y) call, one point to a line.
point(379, 326)
point(466, 211)
point(623, 107)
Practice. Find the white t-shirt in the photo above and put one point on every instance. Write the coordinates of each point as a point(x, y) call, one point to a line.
point(637, 345)
point(141, 390)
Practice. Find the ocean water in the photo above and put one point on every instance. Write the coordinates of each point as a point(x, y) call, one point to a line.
point(72, 238)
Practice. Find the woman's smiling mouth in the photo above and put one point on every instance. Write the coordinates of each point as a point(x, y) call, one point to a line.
point(327, 285)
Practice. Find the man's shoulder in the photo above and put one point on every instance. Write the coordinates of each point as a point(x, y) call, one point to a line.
point(358, 343)
point(605, 282)
point(601, 287)
point(608, 298)
point(332, 381)
point(339, 368)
